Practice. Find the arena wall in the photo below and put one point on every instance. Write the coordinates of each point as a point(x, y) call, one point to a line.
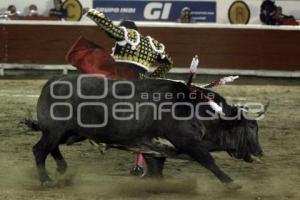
point(290, 7)
point(218, 46)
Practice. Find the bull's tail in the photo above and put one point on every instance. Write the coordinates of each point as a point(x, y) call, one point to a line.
point(32, 124)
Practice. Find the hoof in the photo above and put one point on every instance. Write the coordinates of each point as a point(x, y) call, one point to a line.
point(64, 180)
point(137, 171)
point(49, 184)
point(233, 186)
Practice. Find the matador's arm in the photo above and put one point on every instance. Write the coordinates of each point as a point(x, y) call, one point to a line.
point(106, 24)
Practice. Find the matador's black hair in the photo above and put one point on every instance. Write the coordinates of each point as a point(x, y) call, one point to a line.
point(129, 24)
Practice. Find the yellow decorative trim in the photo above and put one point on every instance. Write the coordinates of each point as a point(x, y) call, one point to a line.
point(132, 62)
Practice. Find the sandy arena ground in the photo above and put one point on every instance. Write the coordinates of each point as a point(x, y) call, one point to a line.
point(95, 176)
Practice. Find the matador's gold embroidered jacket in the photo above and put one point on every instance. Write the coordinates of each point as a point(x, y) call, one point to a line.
point(131, 47)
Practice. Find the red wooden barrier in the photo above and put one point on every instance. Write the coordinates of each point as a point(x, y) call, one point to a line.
point(231, 48)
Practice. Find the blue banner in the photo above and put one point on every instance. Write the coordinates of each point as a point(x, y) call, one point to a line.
point(139, 10)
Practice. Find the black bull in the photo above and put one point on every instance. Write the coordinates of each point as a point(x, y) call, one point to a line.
point(137, 115)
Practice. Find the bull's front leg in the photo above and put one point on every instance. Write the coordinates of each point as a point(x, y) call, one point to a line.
point(202, 155)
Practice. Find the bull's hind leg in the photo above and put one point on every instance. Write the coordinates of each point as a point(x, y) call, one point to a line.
point(40, 152)
point(60, 161)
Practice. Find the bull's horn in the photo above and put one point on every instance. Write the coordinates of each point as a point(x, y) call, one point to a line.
point(256, 159)
point(260, 113)
point(266, 106)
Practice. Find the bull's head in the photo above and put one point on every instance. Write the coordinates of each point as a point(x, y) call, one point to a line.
point(244, 143)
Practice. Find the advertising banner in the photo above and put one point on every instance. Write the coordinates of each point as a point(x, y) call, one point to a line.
point(139, 10)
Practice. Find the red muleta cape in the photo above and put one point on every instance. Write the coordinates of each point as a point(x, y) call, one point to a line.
point(90, 58)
